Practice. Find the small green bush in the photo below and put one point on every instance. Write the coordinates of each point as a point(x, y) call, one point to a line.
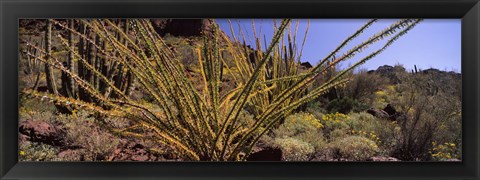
point(37, 109)
point(316, 109)
point(336, 134)
point(445, 151)
point(380, 131)
point(333, 121)
point(356, 148)
point(37, 152)
point(294, 149)
point(299, 137)
point(345, 105)
point(82, 131)
point(304, 127)
point(298, 123)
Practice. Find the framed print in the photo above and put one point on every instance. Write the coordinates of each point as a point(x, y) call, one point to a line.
point(239, 89)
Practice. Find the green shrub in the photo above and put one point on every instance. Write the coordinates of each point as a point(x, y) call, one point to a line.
point(363, 86)
point(378, 130)
point(316, 109)
point(298, 123)
point(37, 152)
point(336, 134)
point(333, 121)
point(356, 148)
point(36, 109)
point(304, 127)
point(294, 149)
point(345, 105)
point(445, 151)
point(84, 132)
point(46, 116)
point(363, 121)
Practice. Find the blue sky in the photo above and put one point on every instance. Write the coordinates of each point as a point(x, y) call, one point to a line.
point(434, 43)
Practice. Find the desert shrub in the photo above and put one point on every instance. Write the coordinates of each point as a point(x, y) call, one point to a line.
point(334, 121)
point(345, 105)
point(32, 151)
point(445, 151)
point(316, 109)
point(47, 116)
point(362, 86)
point(35, 107)
point(298, 123)
point(340, 133)
point(304, 127)
point(82, 131)
point(384, 96)
point(184, 49)
point(378, 130)
point(363, 121)
point(294, 149)
point(299, 137)
point(356, 148)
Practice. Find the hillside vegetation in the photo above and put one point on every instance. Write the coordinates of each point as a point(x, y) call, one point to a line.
point(156, 90)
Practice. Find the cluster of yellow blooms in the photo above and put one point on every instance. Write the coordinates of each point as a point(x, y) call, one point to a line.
point(371, 135)
point(334, 117)
point(442, 151)
point(303, 118)
point(312, 120)
point(371, 144)
point(380, 93)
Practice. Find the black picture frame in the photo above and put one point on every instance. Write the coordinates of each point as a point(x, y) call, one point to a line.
point(12, 10)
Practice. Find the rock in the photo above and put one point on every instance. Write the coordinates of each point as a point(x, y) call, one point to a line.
point(390, 72)
point(380, 158)
point(305, 65)
point(71, 155)
point(133, 151)
point(431, 71)
point(390, 110)
point(22, 138)
point(181, 27)
point(385, 69)
point(140, 157)
point(40, 131)
point(267, 154)
point(378, 113)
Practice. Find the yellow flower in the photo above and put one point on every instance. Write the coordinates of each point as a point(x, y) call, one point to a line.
point(22, 153)
point(380, 93)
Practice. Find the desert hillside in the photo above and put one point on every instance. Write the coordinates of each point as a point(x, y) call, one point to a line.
point(183, 90)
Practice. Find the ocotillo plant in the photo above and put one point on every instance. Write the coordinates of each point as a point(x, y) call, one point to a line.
point(201, 126)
